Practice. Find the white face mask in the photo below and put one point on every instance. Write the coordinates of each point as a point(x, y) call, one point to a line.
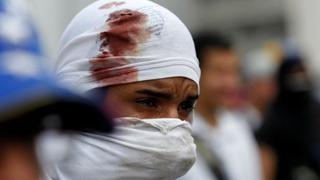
point(138, 149)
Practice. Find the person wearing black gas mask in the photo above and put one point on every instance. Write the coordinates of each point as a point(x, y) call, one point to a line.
point(289, 138)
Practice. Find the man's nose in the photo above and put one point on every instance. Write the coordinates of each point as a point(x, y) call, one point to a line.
point(172, 112)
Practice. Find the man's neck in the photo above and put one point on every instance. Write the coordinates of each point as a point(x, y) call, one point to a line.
point(207, 113)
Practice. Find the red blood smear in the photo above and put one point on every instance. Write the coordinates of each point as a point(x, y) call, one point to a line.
point(126, 30)
point(111, 4)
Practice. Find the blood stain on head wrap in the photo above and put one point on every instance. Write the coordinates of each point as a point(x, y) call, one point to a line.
point(126, 30)
point(111, 4)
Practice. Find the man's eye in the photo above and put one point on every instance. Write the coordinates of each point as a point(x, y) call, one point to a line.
point(148, 102)
point(187, 106)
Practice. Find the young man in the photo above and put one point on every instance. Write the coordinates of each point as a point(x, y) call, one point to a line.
point(142, 58)
point(226, 149)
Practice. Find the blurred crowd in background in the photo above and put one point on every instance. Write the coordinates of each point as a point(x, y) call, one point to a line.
point(258, 114)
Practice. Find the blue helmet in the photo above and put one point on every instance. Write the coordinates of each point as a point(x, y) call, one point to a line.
point(30, 99)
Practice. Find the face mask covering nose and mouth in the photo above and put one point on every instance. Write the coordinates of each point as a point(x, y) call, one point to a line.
point(138, 149)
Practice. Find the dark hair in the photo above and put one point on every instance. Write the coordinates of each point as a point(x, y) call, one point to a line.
point(206, 40)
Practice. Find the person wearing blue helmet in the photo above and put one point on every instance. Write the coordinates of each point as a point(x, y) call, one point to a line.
point(30, 100)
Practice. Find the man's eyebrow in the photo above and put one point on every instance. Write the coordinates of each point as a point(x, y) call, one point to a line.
point(154, 93)
point(193, 98)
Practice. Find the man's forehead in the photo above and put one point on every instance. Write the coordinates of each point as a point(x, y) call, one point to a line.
point(221, 59)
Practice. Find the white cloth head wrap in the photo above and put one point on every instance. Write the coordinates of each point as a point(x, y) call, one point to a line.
point(124, 41)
